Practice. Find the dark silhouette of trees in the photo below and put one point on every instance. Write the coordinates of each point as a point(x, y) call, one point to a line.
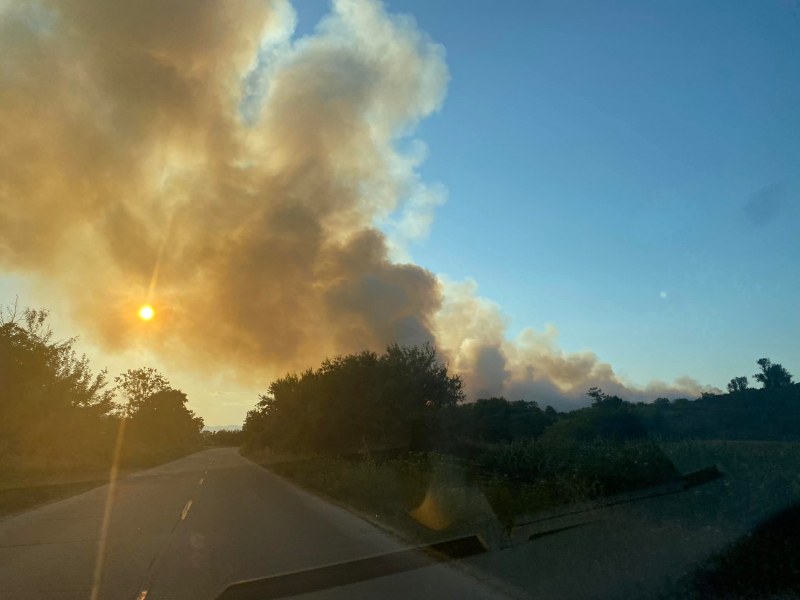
point(615, 420)
point(405, 398)
point(138, 385)
point(600, 398)
point(355, 401)
point(158, 419)
point(772, 375)
point(223, 437)
point(737, 384)
point(162, 420)
point(50, 401)
point(55, 411)
point(496, 420)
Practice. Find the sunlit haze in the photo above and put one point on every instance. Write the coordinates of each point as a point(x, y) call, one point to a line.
point(555, 195)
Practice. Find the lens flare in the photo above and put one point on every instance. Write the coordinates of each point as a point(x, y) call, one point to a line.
point(146, 312)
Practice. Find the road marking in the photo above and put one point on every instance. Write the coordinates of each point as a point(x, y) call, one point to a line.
point(142, 595)
point(186, 510)
point(202, 479)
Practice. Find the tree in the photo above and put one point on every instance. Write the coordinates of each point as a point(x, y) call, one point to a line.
point(163, 421)
point(737, 384)
point(498, 420)
point(354, 401)
point(138, 385)
point(50, 402)
point(601, 399)
point(772, 375)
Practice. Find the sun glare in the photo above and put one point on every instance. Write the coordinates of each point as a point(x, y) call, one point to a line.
point(146, 312)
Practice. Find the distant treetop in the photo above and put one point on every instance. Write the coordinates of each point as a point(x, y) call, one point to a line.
point(772, 375)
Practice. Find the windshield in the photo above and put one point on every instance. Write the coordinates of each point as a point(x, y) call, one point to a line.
point(362, 298)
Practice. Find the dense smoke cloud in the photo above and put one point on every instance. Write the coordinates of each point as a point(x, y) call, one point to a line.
point(197, 156)
point(472, 330)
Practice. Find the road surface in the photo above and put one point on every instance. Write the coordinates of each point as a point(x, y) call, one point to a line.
point(189, 528)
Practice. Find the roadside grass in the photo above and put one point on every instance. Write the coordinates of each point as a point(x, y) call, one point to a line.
point(430, 496)
point(30, 481)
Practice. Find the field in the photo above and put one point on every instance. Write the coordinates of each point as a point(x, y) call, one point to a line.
point(429, 495)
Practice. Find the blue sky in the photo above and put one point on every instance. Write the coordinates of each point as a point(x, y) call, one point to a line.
point(599, 154)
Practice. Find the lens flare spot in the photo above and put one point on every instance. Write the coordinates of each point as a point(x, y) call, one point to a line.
point(146, 312)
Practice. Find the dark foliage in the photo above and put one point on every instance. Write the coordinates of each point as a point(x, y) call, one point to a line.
point(56, 414)
point(138, 385)
point(162, 420)
point(355, 401)
point(223, 437)
point(750, 414)
point(608, 419)
point(772, 375)
point(737, 384)
point(764, 563)
point(463, 428)
point(50, 402)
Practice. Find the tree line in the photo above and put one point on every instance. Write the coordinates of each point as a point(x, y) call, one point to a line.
point(54, 411)
point(405, 398)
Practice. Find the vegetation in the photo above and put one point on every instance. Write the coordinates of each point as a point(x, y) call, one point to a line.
point(59, 421)
point(772, 375)
point(389, 433)
point(158, 422)
point(510, 459)
point(223, 437)
point(748, 414)
point(506, 483)
point(354, 401)
point(737, 384)
point(52, 407)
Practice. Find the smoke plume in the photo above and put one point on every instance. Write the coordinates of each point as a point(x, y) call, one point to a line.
point(199, 157)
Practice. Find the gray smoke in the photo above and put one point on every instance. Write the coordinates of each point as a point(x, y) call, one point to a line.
point(198, 157)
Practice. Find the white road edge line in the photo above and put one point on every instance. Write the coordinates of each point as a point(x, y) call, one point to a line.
point(186, 510)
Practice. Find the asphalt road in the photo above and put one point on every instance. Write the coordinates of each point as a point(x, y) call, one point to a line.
point(189, 528)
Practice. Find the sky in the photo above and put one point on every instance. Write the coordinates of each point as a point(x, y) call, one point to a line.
point(592, 193)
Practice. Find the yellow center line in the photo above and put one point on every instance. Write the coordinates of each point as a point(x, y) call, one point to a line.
point(186, 510)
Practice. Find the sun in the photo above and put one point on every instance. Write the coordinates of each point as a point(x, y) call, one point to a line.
point(146, 312)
